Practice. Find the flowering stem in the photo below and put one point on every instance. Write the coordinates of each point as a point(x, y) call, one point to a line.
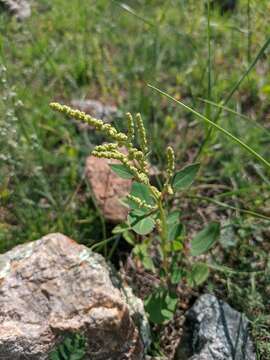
point(163, 234)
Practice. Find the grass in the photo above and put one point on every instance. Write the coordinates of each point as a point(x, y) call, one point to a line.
point(78, 50)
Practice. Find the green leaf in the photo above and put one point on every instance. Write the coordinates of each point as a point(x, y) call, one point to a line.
point(174, 232)
point(122, 171)
point(141, 226)
point(185, 177)
point(141, 251)
point(199, 273)
point(119, 229)
point(205, 239)
point(173, 218)
point(142, 191)
point(171, 301)
point(161, 306)
point(175, 229)
point(72, 348)
point(123, 229)
point(129, 237)
point(177, 245)
point(176, 275)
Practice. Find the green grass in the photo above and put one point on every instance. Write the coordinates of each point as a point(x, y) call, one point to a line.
point(110, 51)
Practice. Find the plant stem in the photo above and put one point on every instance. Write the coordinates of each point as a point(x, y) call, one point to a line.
point(164, 233)
point(209, 62)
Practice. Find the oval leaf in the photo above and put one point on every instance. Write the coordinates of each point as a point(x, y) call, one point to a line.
point(199, 273)
point(142, 192)
point(122, 171)
point(160, 306)
point(205, 239)
point(141, 226)
point(185, 177)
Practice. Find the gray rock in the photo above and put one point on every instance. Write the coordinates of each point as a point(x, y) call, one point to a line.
point(53, 286)
point(215, 331)
point(21, 9)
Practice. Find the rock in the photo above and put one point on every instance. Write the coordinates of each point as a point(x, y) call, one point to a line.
point(108, 188)
point(96, 109)
point(55, 286)
point(215, 331)
point(20, 8)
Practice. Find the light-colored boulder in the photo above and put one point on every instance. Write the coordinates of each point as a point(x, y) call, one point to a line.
point(54, 285)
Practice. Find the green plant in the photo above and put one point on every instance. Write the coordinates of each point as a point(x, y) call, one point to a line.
point(71, 348)
point(149, 210)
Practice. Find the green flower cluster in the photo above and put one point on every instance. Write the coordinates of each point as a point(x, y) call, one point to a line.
point(99, 125)
point(135, 160)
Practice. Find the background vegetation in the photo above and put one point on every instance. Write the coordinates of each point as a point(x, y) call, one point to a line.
point(110, 51)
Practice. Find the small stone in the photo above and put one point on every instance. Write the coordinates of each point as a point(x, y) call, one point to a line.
point(21, 9)
point(55, 286)
point(96, 109)
point(215, 331)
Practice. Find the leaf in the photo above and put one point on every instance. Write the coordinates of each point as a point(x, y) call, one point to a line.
point(176, 275)
point(119, 229)
point(122, 171)
point(123, 229)
point(72, 348)
point(177, 245)
point(161, 306)
point(185, 177)
point(205, 239)
point(175, 231)
point(142, 192)
point(129, 237)
point(141, 251)
point(199, 273)
point(141, 226)
point(173, 218)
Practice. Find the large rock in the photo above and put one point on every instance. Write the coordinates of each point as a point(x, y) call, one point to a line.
point(215, 331)
point(53, 286)
point(20, 8)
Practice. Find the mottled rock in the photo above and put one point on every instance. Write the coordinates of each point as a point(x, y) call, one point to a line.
point(215, 331)
point(21, 9)
point(108, 188)
point(53, 286)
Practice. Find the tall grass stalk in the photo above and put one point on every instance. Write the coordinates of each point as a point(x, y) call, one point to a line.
point(209, 62)
point(231, 93)
point(236, 113)
point(217, 127)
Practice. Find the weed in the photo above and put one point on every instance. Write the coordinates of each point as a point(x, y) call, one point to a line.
point(72, 348)
point(149, 210)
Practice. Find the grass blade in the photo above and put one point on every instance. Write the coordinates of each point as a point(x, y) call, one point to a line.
point(216, 126)
point(234, 112)
point(233, 90)
point(131, 11)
